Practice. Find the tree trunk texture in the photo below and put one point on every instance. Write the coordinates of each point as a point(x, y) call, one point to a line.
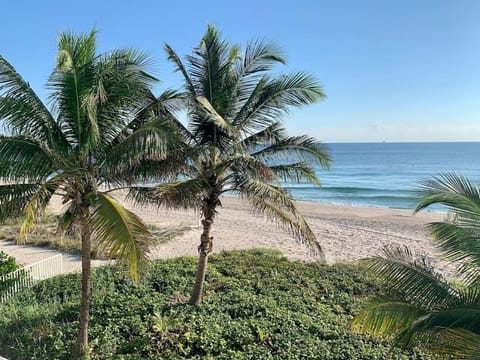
point(82, 341)
point(205, 248)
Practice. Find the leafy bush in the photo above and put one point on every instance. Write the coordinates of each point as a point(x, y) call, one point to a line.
point(257, 305)
point(7, 264)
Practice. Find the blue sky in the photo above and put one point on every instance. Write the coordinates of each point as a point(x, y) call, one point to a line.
point(404, 70)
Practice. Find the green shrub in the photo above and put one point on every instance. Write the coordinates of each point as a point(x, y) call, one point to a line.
point(257, 305)
point(7, 264)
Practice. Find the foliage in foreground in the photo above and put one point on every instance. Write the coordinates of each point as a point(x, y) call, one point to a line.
point(421, 306)
point(258, 305)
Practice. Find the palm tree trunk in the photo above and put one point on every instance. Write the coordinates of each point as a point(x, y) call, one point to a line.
point(205, 248)
point(82, 341)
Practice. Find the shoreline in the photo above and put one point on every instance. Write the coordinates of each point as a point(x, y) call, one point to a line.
point(346, 233)
point(441, 212)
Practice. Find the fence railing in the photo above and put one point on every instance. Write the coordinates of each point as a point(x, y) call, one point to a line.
point(29, 275)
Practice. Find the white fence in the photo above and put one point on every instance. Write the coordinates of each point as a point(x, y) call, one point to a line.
point(29, 275)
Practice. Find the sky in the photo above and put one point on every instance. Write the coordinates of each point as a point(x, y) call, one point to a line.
point(392, 70)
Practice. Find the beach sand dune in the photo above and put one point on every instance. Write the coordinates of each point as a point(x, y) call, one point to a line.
point(346, 233)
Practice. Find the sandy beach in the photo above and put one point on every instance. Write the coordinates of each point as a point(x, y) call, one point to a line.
point(346, 233)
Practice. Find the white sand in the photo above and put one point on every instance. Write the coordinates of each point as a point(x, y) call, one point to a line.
point(346, 233)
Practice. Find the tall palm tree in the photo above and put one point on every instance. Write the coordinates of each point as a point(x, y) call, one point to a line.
point(234, 111)
point(421, 306)
point(94, 133)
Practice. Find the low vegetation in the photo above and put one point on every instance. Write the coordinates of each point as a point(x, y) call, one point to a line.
point(7, 264)
point(257, 305)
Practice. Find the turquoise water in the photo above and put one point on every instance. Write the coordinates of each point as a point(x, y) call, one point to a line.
point(386, 174)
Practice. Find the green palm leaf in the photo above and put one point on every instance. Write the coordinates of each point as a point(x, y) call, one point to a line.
point(119, 231)
point(180, 194)
point(37, 202)
point(152, 141)
point(278, 205)
point(14, 199)
point(459, 239)
point(23, 112)
point(411, 277)
point(458, 344)
point(214, 117)
point(24, 158)
point(448, 316)
point(386, 318)
point(428, 326)
point(298, 172)
point(296, 147)
point(453, 191)
point(276, 96)
point(173, 57)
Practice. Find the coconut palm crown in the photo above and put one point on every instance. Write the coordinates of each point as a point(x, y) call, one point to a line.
point(84, 144)
point(235, 105)
point(421, 307)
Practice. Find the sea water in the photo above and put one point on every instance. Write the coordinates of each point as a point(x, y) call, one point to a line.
point(387, 174)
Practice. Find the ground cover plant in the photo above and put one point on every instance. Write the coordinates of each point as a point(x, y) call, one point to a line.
point(257, 305)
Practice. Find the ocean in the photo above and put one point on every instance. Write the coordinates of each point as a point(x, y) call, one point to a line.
point(387, 174)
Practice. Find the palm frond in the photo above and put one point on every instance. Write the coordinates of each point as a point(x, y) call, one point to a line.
point(276, 97)
point(180, 194)
point(429, 326)
point(411, 278)
point(122, 83)
point(23, 158)
point(304, 148)
point(268, 135)
point(453, 191)
point(459, 242)
point(298, 173)
point(14, 198)
point(173, 57)
point(176, 164)
point(457, 344)
point(151, 142)
point(457, 239)
point(119, 231)
point(36, 203)
point(70, 81)
point(241, 164)
point(23, 113)
point(171, 101)
point(209, 68)
point(278, 205)
point(259, 56)
point(216, 119)
point(385, 319)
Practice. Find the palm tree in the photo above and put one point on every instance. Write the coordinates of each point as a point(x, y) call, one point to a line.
point(421, 307)
point(94, 133)
point(234, 110)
